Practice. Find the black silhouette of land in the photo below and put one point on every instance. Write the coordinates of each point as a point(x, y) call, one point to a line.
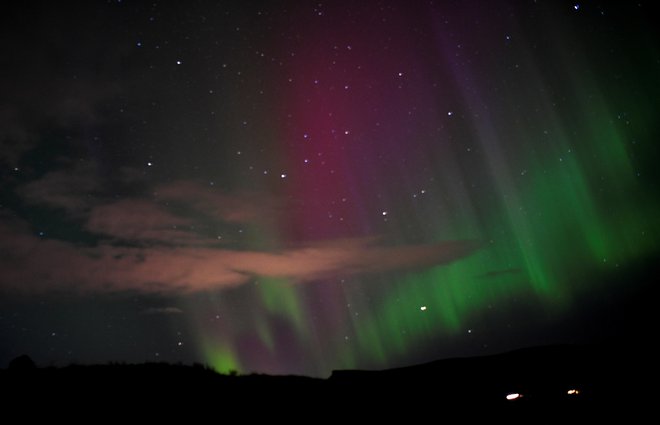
point(614, 379)
point(599, 376)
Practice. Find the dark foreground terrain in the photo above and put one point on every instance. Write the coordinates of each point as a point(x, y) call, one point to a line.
point(604, 381)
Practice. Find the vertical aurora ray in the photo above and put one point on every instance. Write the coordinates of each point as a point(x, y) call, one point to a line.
point(419, 138)
point(221, 358)
point(296, 187)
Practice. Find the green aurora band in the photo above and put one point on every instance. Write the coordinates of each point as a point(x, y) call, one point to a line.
point(554, 177)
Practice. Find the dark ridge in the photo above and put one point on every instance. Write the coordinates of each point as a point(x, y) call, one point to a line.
point(22, 363)
point(602, 376)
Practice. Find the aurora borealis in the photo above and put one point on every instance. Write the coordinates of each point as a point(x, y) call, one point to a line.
point(321, 185)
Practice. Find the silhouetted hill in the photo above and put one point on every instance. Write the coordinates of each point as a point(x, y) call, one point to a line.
point(603, 377)
point(22, 363)
point(543, 375)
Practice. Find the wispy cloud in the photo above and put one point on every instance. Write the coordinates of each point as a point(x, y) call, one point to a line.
point(139, 221)
point(70, 188)
point(62, 103)
point(162, 311)
point(233, 208)
point(41, 94)
point(32, 264)
point(145, 243)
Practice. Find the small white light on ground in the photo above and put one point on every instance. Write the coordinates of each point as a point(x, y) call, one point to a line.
point(573, 392)
point(513, 396)
point(423, 308)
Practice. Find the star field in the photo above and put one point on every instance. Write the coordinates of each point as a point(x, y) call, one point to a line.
point(310, 186)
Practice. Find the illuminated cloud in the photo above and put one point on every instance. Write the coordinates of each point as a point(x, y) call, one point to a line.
point(31, 264)
point(149, 245)
point(139, 220)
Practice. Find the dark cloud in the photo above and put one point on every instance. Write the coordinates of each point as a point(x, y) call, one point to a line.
point(233, 208)
point(140, 220)
point(16, 137)
point(72, 189)
point(52, 79)
point(47, 104)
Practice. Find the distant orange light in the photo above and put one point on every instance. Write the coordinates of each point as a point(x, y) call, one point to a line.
point(513, 396)
point(573, 392)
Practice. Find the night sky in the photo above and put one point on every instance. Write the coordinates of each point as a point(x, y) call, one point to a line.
point(302, 186)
